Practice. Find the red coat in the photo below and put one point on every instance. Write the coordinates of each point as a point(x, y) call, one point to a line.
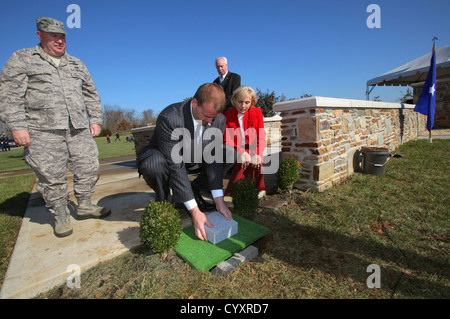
point(255, 135)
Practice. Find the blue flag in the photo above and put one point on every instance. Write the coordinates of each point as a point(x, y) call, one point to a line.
point(427, 101)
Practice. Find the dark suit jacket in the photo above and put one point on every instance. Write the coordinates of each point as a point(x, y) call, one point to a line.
point(179, 116)
point(231, 82)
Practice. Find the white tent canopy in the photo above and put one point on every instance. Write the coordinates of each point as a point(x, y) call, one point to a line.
point(415, 71)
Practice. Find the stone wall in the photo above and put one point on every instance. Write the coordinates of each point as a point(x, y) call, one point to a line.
point(142, 136)
point(442, 113)
point(272, 126)
point(324, 134)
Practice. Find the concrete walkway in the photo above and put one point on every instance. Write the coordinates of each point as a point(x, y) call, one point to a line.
point(437, 134)
point(40, 260)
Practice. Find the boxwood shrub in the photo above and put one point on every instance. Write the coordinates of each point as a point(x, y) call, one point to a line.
point(245, 196)
point(160, 227)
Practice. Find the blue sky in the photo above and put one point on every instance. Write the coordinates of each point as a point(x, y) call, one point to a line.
point(149, 54)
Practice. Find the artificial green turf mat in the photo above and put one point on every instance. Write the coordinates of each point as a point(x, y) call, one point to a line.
point(202, 255)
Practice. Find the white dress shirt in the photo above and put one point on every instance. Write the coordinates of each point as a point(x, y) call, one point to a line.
point(222, 77)
point(215, 192)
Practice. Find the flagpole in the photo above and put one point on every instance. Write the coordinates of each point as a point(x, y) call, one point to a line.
point(426, 104)
point(434, 48)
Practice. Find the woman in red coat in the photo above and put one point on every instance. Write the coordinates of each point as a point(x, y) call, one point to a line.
point(245, 132)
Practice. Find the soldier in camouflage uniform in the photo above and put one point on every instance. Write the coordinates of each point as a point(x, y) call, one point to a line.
point(45, 95)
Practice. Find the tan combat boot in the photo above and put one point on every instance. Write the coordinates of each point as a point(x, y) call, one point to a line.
point(87, 210)
point(63, 227)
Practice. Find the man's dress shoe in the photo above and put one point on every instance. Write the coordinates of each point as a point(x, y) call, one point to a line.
point(202, 204)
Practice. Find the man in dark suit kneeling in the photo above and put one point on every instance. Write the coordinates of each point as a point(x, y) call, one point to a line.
point(183, 131)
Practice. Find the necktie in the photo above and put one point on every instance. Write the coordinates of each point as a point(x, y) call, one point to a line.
point(198, 134)
point(197, 149)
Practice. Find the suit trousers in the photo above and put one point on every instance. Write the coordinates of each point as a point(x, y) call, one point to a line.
point(156, 174)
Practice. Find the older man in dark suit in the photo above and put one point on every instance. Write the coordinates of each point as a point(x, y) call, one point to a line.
point(228, 80)
point(183, 134)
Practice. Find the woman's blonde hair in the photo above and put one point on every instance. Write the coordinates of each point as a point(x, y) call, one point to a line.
point(243, 91)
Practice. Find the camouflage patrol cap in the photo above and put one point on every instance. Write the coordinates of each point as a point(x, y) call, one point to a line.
point(50, 25)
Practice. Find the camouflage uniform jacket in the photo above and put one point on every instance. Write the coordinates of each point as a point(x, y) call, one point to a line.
point(35, 93)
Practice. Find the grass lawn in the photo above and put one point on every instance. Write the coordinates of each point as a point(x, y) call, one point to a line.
point(12, 160)
point(320, 244)
point(13, 202)
point(116, 148)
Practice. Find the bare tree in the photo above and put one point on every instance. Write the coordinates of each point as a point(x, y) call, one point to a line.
point(148, 118)
point(129, 115)
point(115, 116)
point(112, 116)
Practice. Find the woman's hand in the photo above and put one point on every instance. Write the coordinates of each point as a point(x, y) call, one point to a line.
point(256, 161)
point(245, 159)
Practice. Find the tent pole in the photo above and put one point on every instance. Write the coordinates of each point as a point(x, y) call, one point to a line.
point(368, 92)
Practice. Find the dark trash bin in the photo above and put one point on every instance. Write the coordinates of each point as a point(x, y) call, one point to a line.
point(374, 160)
